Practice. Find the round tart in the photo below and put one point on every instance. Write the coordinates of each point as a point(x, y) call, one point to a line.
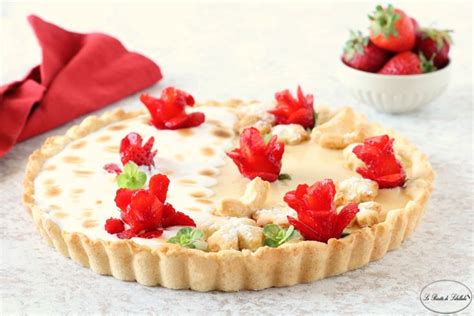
point(226, 195)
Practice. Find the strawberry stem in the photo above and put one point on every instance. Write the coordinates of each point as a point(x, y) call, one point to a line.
point(437, 36)
point(383, 21)
point(426, 65)
point(355, 44)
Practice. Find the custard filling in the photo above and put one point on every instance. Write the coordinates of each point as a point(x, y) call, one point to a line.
point(78, 194)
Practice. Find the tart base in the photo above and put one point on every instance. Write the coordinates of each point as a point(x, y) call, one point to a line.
point(175, 267)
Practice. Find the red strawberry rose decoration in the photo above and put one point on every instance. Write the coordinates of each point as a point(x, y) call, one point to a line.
point(131, 149)
point(168, 111)
point(145, 211)
point(318, 218)
point(294, 111)
point(254, 158)
point(381, 164)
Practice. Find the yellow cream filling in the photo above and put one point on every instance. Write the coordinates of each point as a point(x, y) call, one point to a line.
point(305, 163)
point(78, 194)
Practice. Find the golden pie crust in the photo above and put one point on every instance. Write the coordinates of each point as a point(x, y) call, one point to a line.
point(176, 267)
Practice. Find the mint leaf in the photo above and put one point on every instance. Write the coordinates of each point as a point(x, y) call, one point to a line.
point(271, 230)
point(276, 236)
point(174, 240)
point(272, 243)
point(344, 234)
point(267, 137)
point(186, 231)
point(290, 232)
point(131, 177)
point(284, 176)
point(189, 238)
point(315, 122)
point(196, 234)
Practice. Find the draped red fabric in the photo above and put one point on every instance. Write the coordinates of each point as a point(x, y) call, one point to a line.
point(79, 73)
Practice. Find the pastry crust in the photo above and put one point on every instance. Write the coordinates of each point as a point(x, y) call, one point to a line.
point(355, 190)
point(176, 267)
point(342, 129)
point(233, 233)
point(291, 134)
point(253, 199)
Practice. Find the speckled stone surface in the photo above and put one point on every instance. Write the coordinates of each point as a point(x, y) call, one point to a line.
point(217, 51)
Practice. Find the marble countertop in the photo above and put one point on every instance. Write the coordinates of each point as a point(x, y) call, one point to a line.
point(250, 50)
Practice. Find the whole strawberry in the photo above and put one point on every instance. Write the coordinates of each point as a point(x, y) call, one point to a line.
point(391, 29)
point(360, 53)
point(407, 63)
point(416, 27)
point(433, 43)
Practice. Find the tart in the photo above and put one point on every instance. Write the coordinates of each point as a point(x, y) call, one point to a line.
point(227, 195)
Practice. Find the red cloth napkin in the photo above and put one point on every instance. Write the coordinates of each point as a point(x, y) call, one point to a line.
point(79, 73)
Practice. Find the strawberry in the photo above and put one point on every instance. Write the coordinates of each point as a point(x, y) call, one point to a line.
point(433, 43)
point(114, 226)
point(255, 158)
point(291, 110)
point(391, 29)
point(131, 149)
point(381, 165)
point(416, 26)
point(407, 63)
point(112, 168)
point(145, 211)
point(168, 111)
point(360, 53)
point(318, 218)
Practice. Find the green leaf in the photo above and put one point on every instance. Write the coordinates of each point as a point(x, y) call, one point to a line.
point(284, 176)
point(276, 236)
point(174, 240)
point(190, 238)
point(271, 230)
point(427, 65)
point(131, 177)
point(344, 234)
point(267, 137)
point(315, 118)
point(186, 231)
point(355, 44)
point(437, 35)
point(383, 21)
point(200, 244)
point(196, 234)
point(272, 243)
point(290, 232)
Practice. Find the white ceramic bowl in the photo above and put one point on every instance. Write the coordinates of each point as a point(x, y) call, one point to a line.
point(393, 93)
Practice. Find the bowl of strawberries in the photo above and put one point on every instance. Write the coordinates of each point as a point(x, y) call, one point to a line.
point(399, 66)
